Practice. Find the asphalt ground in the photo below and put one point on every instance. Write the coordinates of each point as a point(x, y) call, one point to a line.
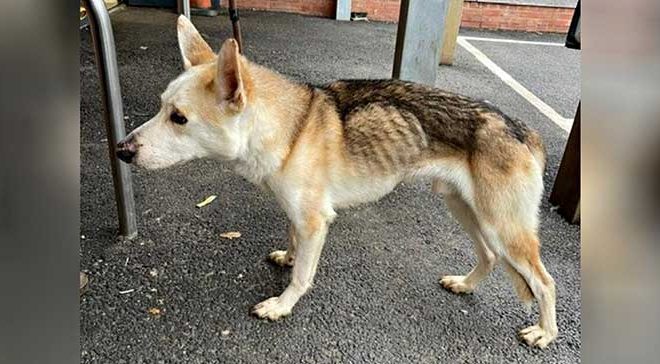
point(376, 297)
point(540, 70)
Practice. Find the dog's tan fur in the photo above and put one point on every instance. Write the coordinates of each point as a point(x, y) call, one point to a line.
point(318, 149)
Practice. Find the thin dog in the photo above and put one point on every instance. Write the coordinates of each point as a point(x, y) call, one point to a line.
point(318, 149)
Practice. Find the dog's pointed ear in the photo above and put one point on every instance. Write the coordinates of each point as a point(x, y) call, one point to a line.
point(194, 49)
point(232, 79)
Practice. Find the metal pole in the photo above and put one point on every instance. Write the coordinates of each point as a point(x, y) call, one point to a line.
point(236, 26)
point(183, 7)
point(106, 62)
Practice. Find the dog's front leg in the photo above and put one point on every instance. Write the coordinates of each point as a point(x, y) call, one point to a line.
point(310, 237)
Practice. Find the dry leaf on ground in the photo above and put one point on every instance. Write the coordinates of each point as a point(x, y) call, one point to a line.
point(207, 201)
point(231, 235)
point(154, 311)
point(83, 282)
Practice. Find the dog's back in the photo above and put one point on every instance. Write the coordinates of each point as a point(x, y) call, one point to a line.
point(391, 125)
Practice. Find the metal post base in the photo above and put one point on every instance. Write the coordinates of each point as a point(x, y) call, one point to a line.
point(183, 7)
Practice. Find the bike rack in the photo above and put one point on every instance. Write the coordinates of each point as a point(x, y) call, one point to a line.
point(106, 62)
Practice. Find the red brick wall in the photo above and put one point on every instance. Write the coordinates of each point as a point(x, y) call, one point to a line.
point(475, 14)
point(384, 10)
point(511, 17)
point(310, 7)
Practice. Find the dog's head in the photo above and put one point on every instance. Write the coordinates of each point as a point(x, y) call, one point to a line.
point(201, 110)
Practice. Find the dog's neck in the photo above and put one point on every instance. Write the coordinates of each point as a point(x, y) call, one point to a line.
point(277, 109)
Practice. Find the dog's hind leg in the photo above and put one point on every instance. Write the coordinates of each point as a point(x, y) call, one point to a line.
point(532, 281)
point(486, 259)
point(524, 257)
point(285, 258)
point(508, 217)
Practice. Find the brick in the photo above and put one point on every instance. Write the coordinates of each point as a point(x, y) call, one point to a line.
point(475, 14)
point(493, 12)
point(473, 17)
point(471, 24)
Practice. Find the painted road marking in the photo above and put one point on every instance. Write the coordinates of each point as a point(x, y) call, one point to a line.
point(500, 40)
point(544, 108)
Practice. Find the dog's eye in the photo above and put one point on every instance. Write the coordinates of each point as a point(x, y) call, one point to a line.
point(177, 118)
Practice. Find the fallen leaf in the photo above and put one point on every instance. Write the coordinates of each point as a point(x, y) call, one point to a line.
point(225, 332)
point(144, 48)
point(83, 281)
point(207, 201)
point(154, 311)
point(230, 235)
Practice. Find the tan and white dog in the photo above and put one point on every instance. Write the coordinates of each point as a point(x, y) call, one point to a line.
point(322, 148)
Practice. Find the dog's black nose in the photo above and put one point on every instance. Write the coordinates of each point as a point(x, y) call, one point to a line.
point(126, 150)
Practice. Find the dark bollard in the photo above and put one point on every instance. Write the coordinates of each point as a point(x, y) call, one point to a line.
point(236, 25)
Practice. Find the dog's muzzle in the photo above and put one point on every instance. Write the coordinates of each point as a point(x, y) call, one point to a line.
point(126, 149)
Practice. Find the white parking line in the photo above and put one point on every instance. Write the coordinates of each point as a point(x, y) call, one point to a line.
point(544, 108)
point(500, 40)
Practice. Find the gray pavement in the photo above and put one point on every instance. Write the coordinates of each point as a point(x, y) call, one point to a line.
point(543, 70)
point(376, 297)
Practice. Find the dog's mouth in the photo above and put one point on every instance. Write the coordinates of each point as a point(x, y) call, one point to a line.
point(156, 164)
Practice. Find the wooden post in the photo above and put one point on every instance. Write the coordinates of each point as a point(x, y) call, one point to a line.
point(452, 25)
point(566, 190)
point(419, 40)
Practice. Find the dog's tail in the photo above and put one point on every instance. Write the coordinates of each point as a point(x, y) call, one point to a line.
point(535, 144)
point(520, 284)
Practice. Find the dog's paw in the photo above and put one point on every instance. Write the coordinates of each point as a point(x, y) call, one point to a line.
point(537, 336)
point(280, 258)
point(456, 284)
point(272, 309)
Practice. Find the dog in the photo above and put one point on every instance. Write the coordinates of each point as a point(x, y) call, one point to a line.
point(321, 148)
